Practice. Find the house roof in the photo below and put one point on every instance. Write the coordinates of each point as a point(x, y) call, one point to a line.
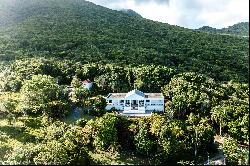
point(124, 95)
point(135, 91)
point(86, 81)
point(154, 95)
point(116, 95)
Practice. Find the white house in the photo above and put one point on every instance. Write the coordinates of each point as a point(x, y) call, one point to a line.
point(135, 101)
point(87, 84)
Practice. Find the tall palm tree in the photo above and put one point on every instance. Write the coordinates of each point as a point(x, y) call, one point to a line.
point(219, 115)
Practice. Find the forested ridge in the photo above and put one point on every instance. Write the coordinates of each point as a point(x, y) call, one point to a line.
point(82, 31)
point(47, 46)
point(241, 29)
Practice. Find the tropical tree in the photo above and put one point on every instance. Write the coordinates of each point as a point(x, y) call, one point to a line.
point(144, 144)
point(218, 114)
point(105, 132)
point(38, 92)
point(234, 152)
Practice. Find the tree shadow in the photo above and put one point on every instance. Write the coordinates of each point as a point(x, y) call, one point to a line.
point(18, 133)
point(133, 158)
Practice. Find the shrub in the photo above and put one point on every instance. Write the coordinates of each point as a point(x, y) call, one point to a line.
point(97, 112)
point(144, 145)
point(81, 122)
point(106, 134)
point(125, 136)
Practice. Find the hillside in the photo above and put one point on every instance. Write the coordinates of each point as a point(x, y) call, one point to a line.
point(82, 31)
point(48, 117)
point(240, 29)
point(130, 12)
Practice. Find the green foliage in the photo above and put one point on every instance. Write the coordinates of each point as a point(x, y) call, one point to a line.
point(95, 112)
point(57, 109)
point(9, 81)
point(23, 155)
point(80, 96)
point(53, 46)
point(58, 143)
point(53, 153)
point(81, 122)
point(241, 29)
point(144, 144)
point(9, 102)
point(234, 153)
point(201, 130)
point(106, 132)
point(232, 113)
point(41, 30)
point(171, 141)
point(99, 102)
point(125, 135)
point(157, 122)
point(76, 82)
point(41, 94)
point(190, 92)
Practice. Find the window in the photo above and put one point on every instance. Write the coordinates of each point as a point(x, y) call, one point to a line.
point(121, 102)
point(141, 103)
point(115, 102)
point(147, 101)
point(154, 102)
point(157, 102)
point(127, 103)
point(110, 101)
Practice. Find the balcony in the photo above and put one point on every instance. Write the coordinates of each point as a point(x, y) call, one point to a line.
point(134, 108)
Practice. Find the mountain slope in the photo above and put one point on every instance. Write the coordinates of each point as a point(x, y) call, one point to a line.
point(130, 12)
point(82, 31)
point(241, 29)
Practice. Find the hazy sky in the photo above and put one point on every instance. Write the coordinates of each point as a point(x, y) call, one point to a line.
point(186, 13)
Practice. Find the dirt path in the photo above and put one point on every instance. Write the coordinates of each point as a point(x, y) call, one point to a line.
point(219, 158)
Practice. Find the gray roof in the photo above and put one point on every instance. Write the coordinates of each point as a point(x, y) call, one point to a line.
point(124, 95)
point(135, 91)
point(154, 95)
point(116, 95)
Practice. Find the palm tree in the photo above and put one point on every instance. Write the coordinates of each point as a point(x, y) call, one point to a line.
point(218, 115)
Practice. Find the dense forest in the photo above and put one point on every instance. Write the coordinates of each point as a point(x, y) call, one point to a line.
point(82, 31)
point(240, 29)
point(47, 46)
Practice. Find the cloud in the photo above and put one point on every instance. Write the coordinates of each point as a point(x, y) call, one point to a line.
point(186, 13)
point(107, 2)
point(148, 1)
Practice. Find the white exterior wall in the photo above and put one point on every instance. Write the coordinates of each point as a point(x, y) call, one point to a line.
point(159, 106)
point(155, 108)
point(87, 85)
point(138, 109)
point(115, 103)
